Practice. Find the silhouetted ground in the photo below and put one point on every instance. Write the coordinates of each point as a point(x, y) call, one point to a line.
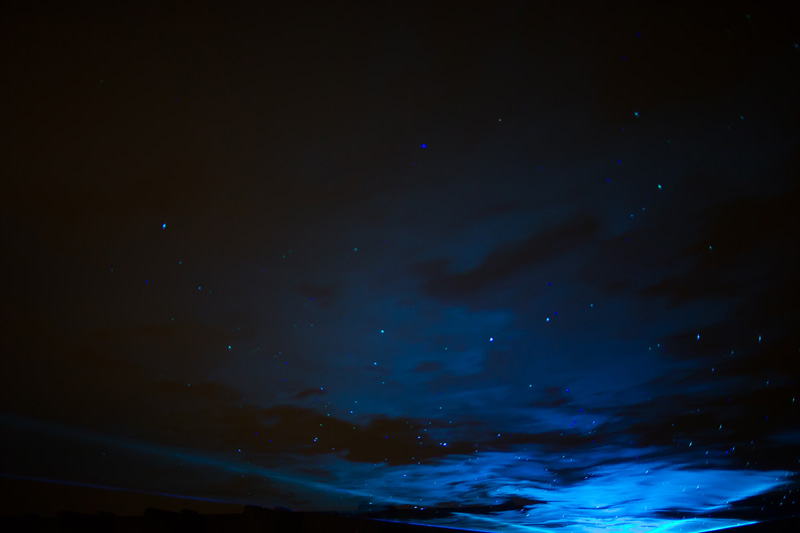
point(256, 519)
point(253, 519)
point(34, 506)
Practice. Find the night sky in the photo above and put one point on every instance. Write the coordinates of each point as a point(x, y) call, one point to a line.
point(398, 257)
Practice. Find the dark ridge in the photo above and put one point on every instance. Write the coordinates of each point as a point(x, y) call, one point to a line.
point(253, 519)
point(258, 519)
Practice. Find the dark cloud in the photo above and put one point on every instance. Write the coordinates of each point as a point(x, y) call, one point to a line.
point(711, 341)
point(323, 294)
point(448, 509)
point(689, 288)
point(428, 367)
point(735, 246)
point(506, 261)
point(395, 441)
point(309, 393)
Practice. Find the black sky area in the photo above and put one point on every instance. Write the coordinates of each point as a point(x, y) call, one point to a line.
point(500, 266)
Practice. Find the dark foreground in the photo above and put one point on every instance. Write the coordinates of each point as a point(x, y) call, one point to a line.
point(256, 519)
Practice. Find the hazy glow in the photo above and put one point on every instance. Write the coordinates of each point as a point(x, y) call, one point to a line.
point(622, 493)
